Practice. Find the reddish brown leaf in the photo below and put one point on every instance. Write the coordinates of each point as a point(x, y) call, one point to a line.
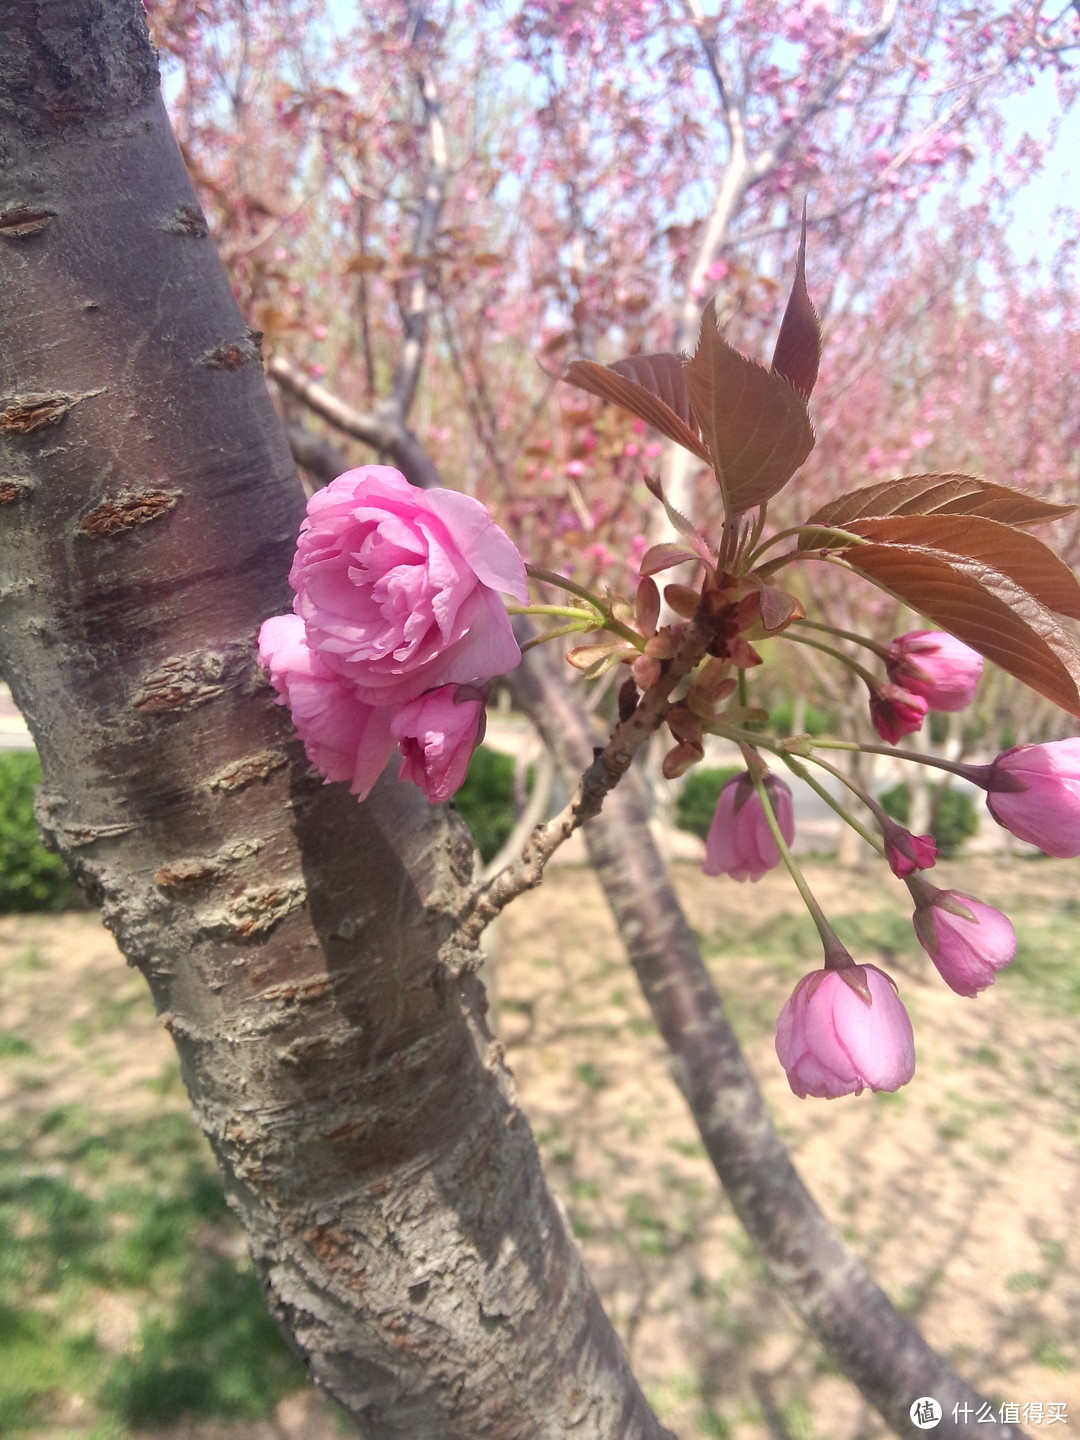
point(606, 382)
point(778, 607)
point(679, 523)
point(663, 375)
point(1020, 557)
point(664, 556)
point(934, 495)
point(755, 423)
point(985, 609)
point(798, 346)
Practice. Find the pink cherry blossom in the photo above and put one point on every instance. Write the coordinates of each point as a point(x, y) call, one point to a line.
point(740, 842)
point(831, 1041)
point(343, 737)
point(437, 734)
point(399, 588)
point(896, 712)
point(967, 948)
point(1046, 812)
point(937, 666)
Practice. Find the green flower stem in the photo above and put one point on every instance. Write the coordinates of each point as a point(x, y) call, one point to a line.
point(555, 634)
point(606, 621)
point(975, 773)
point(549, 577)
point(570, 611)
point(624, 632)
point(755, 533)
point(825, 531)
point(856, 789)
point(851, 635)
point(860, 670)
point(769, 569)
point(797, 768)
point(834, 950)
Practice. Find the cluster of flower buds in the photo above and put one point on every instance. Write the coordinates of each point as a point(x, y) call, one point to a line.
point(844, 1029)
point(397, 626)
point(927, 670)
point(953, 547)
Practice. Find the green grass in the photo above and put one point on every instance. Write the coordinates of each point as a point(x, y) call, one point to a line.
point(591, 1076)
point(1044, 974)
point(1046, 970)
point(790, 942)
point(90, 1207)
point(13, 1047)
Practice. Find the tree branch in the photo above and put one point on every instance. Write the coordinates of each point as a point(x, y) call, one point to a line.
point(595, 782)
point(319, 457)
point(862, 42)
point(383, 432)
point(414, 312)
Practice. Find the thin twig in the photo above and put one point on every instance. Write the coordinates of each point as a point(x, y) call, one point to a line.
point(609, 765)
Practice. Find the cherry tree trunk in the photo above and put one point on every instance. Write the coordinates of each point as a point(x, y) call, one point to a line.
point(301, 948)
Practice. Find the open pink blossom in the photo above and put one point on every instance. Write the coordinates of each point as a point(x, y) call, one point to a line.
point(343, 737)
point(740, 842)
point(437, 735)
point(896, 712)
point(832, 1042)
point(968, 941)
point(937, 666)
point(1046, 812)
point(399, 588)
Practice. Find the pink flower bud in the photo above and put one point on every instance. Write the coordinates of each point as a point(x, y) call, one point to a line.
point(967, 940)
point(437, 734)
point(896, 712)
point(832, 1042)
point(740, 842)
point(343, 737)
point(1046, 812)
point(905, 852)
point(937, 666)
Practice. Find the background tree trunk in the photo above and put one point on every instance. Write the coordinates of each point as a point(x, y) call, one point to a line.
point(300, 947)
point(870, 1341)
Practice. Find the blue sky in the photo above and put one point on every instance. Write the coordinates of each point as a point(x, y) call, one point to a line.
point(1033, 232)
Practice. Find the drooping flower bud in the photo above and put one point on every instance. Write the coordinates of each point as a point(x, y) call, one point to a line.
point(832, 1041)
point(896, 712)
point(904, 851)
point(937, 666)
point(968, 941)
point(437, 734)
point(1046, 812)
point(740, 842)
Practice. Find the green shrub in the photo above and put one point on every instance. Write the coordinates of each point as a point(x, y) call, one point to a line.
point(31, 877)
point(486, 801)
point(953, 818)
point(698, 796)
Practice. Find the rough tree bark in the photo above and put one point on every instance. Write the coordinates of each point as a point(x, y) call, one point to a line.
point(300, 948)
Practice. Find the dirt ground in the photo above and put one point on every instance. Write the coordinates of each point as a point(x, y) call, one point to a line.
point(960, 1193)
